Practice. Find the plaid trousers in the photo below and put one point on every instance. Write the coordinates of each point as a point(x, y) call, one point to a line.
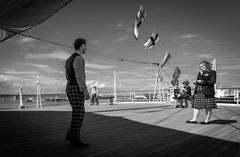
point(76, 99)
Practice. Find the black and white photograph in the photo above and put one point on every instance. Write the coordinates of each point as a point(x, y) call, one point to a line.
point(111, 78)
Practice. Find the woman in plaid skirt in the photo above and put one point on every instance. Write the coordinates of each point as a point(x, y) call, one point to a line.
point(204, 92)
point(76, 90)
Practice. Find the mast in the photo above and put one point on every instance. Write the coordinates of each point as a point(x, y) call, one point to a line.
point(114, 87)
point(20, 98)
point(39, 104)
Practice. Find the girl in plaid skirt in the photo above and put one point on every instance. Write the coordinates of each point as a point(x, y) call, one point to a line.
point(204, 92)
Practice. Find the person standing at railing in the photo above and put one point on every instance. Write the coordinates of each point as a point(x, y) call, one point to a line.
point(204, 92)
point(94, 96)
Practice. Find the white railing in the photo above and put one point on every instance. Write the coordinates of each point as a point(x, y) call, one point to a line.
point(236, 96)
point(164, 96)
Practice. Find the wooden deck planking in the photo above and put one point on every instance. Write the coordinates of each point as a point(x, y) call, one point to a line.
point(121, 131)
point(204, 126)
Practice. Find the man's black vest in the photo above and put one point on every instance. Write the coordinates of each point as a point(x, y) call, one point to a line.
point(69, 70)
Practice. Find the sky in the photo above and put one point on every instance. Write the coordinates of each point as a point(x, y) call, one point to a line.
point(190, 30)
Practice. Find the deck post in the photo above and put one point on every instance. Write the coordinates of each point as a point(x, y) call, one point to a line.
point(115, 87)
point(20, 98)
point(39, 104)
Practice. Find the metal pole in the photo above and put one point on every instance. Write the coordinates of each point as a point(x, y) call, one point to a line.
point(149, 96)
point(40, 100)
point(237, 97)
point(20, 98)
point(155, 86)
point(114, 88)
point(39, 104)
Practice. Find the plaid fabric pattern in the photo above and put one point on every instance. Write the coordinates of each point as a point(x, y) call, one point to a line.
point(203, 102)
point(76, 99)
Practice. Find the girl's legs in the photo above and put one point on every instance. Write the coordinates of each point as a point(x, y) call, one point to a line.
point(208, 115)
point(195, 114)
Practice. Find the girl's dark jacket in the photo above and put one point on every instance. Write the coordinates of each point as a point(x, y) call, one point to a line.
point(208, 80)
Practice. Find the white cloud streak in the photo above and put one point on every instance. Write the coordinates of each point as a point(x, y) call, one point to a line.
point(99, 66)
point(58, 54)
point(122, 38)
point(26, 40)
point(207, 56)
point(45, 68)
point(188, 36)
point(14, 72)
point(96, 83)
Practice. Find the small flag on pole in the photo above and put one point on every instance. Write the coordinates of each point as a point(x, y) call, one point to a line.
point(151, 41)
point(176, 75)
point(141, 15)
point(214, 67)
point(165, 60)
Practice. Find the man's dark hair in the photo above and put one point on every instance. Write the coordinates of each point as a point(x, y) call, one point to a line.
point(78, 43)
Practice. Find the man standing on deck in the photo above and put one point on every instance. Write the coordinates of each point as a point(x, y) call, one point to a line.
point(94, 96)
point(76, 90)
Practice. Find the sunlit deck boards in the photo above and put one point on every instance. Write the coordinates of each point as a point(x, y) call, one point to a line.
point(121, 130)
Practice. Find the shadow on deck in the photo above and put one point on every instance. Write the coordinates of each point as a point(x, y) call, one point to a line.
point(41, 134)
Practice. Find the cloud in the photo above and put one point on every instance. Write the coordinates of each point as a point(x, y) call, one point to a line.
point(14, 72)
point(122, 38)
point(127, 74)
point(45, 68)
point(127, 28)
point(188, 36)
point(108, 52)
point(124, 25)
point(149, 68)
point(90, 72)
point(207, 56)
point(212, 42)
point(96, 42)
point(119, 25)
point(99, 66)
point(8, 87)
point(196, 41)
point(91, 84)
point(58, 54)
point(230, 67)
point(26, 40)
point(11, 83)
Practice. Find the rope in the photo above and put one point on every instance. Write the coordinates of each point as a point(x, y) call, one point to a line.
point(93, 52)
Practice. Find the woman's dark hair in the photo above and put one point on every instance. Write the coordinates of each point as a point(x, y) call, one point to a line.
point(78, 43)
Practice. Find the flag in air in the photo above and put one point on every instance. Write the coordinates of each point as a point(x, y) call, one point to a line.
point(165, 60)
point(151, 41)
point(176, 75)
point(141, 15)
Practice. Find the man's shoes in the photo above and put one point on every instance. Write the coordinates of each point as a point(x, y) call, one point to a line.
point(79, 144)
point(192, 122)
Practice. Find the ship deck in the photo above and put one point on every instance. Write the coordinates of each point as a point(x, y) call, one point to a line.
point(121, 130)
